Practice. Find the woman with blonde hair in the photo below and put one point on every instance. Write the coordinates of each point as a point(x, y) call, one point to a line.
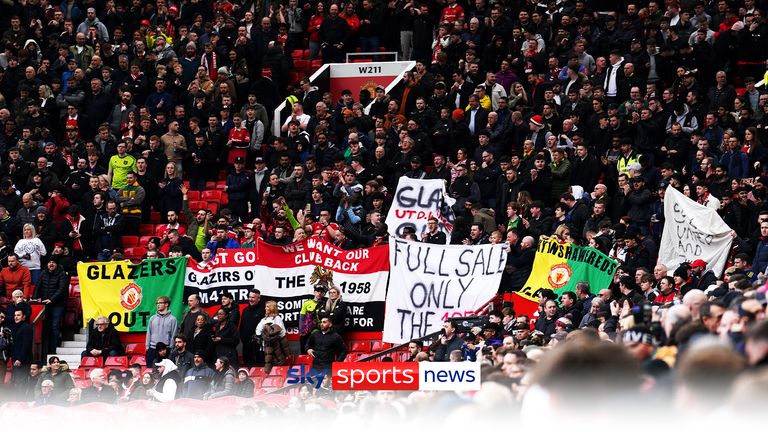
point(29, 249)
point(271, 330)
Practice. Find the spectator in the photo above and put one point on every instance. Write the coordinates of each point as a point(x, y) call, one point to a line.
point(161, 328)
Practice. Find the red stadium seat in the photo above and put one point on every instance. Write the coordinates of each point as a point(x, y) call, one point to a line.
point(301, 65)
point(80, 373)
point(210, 185)
point(197, 205)
point(273, 381)
point(297, 54)
point(377, 346)
point(146, 229)
point(316, 64)
point(143, 240)
point(154, 217)
point(134, 252)
point(119, 361)
point(305, 54)
point(130, 241)
point(223, 175)
point(213, 207)
point(360, 346)
point(159, 227)
point(279, 371)
point(135, 349)
point(352, 357)
point(257, 372)
point(138, 359)
point(211, 195)
point(74, 286)
point(220, 185)
point(193, 195)
point(362, 60)
point(91, 362)
point(304, 359)
point(257, 382)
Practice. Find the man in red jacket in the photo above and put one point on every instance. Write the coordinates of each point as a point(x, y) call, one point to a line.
point(14, 277)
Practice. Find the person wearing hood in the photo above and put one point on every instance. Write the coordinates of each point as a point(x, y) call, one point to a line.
point(161, 328)
point(683, 115)
point(168, 384)
point(223, 383)
point(92, 20)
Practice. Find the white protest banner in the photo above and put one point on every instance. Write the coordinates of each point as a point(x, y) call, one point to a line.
point(415, 202)
point(288, 274)
point(692, 231)
point(431, 283)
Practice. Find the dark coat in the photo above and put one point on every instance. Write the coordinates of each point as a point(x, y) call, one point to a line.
point(328, 348)
point(53, 286)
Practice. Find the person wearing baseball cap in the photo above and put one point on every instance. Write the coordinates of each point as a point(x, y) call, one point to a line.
point(702, 278)
point(308, 322)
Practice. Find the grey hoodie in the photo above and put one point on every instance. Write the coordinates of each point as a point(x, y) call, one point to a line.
point(161, 328)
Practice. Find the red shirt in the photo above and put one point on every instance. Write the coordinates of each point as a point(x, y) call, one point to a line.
point(240, 137)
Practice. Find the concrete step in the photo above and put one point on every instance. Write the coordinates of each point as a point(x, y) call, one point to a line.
point(83, 331)
point(74, 344)
point(73, 360)
point(69, 351)
point(81, 338)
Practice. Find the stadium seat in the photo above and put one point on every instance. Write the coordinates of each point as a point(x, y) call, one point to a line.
point(297, 54)
point(301, 65)
point(143, 240)
point(154, 217)
point(210, 185)
point(305, 54)
point(220, 185)
point(158, 228)
point(138, 359)
point(279, 371)
point(362, 60)
point(316, 64)
point(146, 229)
point(74, 286)
point(211, 195)
point(377, 346)
point(119, 361)
point(135, 349)
point(352, 357)
point(91, 362)
point(257, 372)
point(257, 382)
point(223, 175)
point(193, 195)
point(360, 346)
point(134, 252)
point(197, 205)
point(273, 381)
point(213, 207)
point(130, 241)
point(79, 373)
point(304, 359)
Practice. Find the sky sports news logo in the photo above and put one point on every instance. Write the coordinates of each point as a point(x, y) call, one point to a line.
point(392, 376)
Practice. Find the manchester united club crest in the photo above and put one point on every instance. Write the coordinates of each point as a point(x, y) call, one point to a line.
point(130, 296)
point(559, 275)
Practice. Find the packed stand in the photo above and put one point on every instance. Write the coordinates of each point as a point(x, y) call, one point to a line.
point(567, 119)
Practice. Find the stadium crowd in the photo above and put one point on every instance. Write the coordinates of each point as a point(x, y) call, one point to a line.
point(567, 118)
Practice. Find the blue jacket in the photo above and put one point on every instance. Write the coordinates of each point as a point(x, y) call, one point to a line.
point(238, 186)
point(737, 164)
point(760, 261)
point(214, 245)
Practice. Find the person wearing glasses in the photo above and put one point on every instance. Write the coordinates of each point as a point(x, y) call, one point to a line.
point(161, 328)
point(433, 234)
point(103, 340)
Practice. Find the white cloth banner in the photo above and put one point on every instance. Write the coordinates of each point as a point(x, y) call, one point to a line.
point(415, 202)
point(430, 283)
point(691, 232)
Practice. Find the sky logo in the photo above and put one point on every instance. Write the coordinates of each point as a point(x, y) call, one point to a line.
point(304, 374)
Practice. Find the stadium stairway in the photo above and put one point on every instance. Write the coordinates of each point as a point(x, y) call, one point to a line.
point(70, 350)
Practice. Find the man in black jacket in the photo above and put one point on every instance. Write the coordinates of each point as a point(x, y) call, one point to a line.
point(546, 323)
point(103, 340)
point(53, 290)
point(447, 343)
point(252, 314)
point(333, 32)
point(325, 346)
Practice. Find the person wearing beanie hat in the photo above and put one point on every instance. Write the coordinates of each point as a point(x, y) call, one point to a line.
point(457, 115)
point(243, 386)
point(197, 380)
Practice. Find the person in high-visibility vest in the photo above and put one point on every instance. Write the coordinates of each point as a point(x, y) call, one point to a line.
point(628, 156)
